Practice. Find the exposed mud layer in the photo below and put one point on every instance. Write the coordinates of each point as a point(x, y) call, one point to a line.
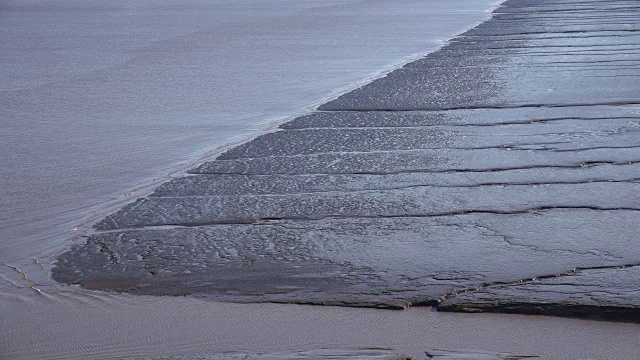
point(500, 173)
point(604, 292)
point(356, 354)
point(351, 354)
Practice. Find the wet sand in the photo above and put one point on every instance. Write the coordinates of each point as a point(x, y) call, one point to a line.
point(107, 326)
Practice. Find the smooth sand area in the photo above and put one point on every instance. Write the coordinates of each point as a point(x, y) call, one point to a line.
point(105, 326)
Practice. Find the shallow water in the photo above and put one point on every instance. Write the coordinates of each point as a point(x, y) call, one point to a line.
point(101, 100)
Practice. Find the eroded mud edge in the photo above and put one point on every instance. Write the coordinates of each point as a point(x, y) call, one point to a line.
point(353, 354)
point(470, 302)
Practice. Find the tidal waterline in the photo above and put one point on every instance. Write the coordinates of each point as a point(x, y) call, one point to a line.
point(151, 89)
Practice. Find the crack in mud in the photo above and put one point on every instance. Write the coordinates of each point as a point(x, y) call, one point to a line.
point(510, 241)
point(255, 220)
point(436, 125)
point(475, 184)
point(495, 107)
point(480, 170)
point(579, 165)
point(571, 272)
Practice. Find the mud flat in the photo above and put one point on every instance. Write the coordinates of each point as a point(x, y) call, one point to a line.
point(356, 354)
point(498, 174)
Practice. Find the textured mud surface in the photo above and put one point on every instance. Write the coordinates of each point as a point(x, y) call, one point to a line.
point(500, 173)
point(355, 354)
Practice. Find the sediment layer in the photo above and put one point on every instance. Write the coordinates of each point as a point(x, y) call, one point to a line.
point(351, 354)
